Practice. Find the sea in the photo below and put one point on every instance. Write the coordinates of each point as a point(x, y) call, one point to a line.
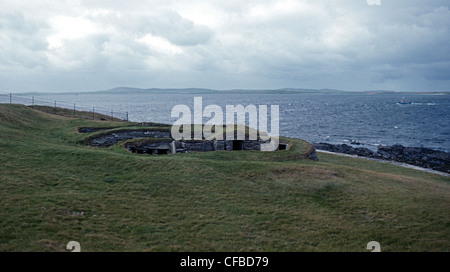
point(357, 119)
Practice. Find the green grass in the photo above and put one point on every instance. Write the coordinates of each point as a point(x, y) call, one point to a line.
point(77, 114)
point(54, 190)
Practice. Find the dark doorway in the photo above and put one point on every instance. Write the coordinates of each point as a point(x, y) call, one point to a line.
point(158, 151)
point(282, 146)
point(238, 145)
point(163, 151)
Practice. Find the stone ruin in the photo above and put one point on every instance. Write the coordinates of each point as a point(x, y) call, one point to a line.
point(169, 146)
point(112, 138)
point(159, 141)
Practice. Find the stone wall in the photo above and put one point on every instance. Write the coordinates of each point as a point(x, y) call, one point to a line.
point(148, 147)
point(112, 138)
point(159, 141)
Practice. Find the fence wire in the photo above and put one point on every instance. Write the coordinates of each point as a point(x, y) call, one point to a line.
point(65, 108)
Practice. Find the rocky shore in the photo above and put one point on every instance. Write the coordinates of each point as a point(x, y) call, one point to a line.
point(418, 156)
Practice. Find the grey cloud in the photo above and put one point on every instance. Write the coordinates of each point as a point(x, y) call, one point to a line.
point(439, 71)
point(163, 23)
point(180, 31)
point(22, 41)
point(316, 44)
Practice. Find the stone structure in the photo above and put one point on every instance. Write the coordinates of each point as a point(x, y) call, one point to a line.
point(112, 138)
point(165, 146)
point(159, 141)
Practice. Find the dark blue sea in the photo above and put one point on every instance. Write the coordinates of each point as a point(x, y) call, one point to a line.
point(367, 120)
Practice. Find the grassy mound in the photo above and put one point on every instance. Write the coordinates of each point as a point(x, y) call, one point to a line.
point(54, 190)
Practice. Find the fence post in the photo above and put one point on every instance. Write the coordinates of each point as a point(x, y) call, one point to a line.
point(32, 101)
point(127, 116)
point(112, 115)
point(74, 110)
point(93, 113)
point(10, 98)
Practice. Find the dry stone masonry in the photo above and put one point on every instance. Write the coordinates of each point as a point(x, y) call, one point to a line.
point(157, 142)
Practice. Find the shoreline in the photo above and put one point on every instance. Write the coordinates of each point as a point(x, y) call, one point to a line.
point(410, 166)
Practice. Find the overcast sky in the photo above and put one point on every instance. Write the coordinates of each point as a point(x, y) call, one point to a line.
point(61, 46)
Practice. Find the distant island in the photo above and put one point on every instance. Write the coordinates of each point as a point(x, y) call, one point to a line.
point(132, 90)
point(124, 90)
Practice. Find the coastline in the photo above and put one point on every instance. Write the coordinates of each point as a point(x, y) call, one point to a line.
point(387, 161)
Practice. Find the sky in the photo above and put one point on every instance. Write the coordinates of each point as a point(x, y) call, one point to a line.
point(353, 45)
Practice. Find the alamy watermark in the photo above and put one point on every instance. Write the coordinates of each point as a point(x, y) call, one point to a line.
point(213, 129)
point(374, 246)
point(73, 246)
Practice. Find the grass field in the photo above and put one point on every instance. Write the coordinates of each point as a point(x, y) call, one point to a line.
point(54, 189)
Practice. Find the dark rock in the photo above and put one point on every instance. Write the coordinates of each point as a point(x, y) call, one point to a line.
point(418, 156)
point(345, 149)
point(364, 152)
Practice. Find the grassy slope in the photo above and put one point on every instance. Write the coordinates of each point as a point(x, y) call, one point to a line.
point(53, 190)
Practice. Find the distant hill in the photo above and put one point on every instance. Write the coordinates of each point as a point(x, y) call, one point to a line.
point(125, 90)
point(129, 90)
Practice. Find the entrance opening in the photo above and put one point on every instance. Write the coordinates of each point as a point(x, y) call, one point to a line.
point(163, 151)
point(158, 151)
point(282, 146)
point(238, 145)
